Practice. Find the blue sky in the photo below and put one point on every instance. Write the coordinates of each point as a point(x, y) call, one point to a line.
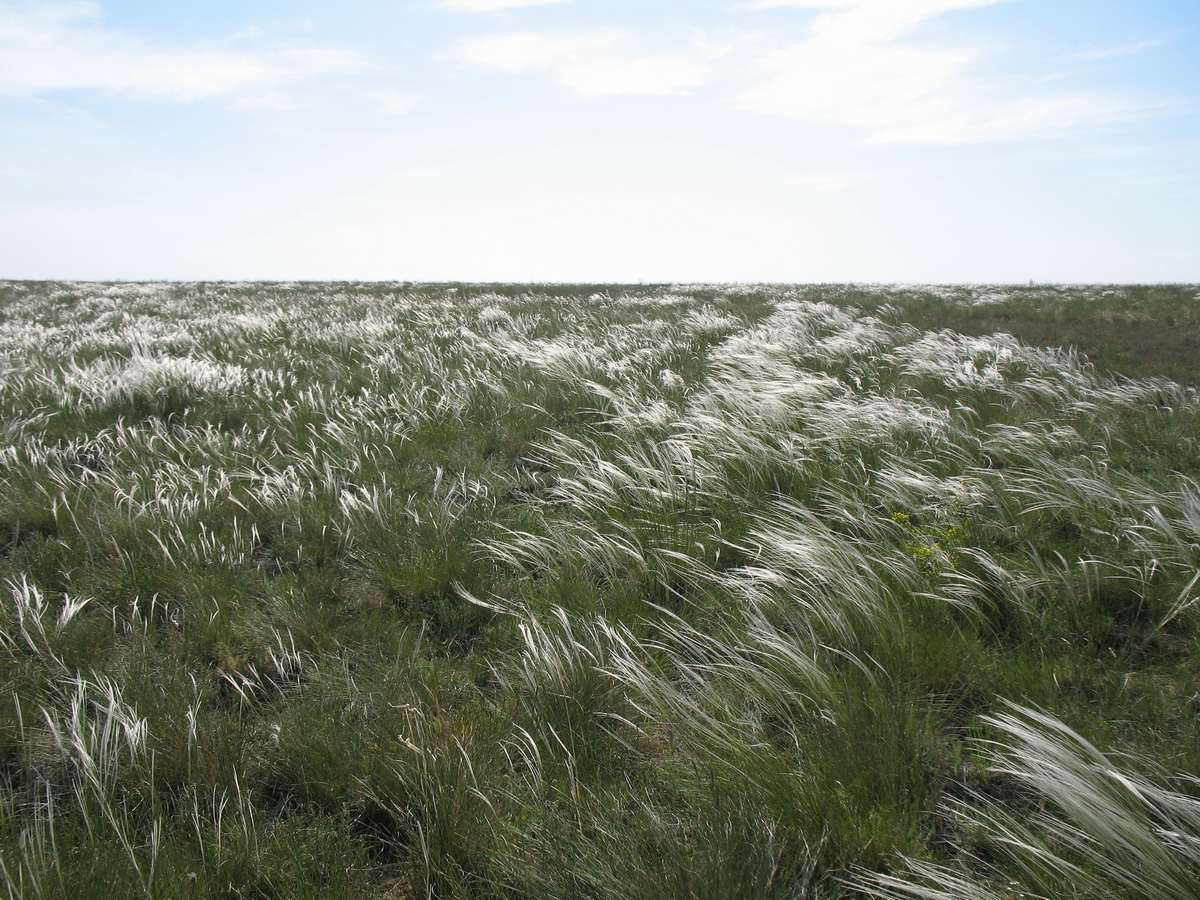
point(601, 140)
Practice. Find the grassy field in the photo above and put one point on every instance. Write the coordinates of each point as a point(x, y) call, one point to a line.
point(471, 591)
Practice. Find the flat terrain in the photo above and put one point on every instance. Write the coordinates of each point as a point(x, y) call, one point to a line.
point(707, 591)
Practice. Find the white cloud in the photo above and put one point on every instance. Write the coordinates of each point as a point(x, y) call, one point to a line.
point(59, 47)
point(863, 65)
point(594, 65)
point(493, 5)
point(858, 68)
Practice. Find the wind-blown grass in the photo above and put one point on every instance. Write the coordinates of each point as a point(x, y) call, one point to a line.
point(676, 591)
point(1091, 825)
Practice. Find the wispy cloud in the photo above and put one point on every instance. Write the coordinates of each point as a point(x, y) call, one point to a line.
point(886, 13)
point(493, 5)
point(593, 65)
point(1133, 49)
point(860, 68)
point(60, 47)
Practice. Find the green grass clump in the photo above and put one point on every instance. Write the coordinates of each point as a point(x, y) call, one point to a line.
point(559, 591)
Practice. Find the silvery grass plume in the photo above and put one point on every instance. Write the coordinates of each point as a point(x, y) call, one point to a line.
point(32, 624)
point(98, 770)
point(151, 379)
point(840, 588)
point(1082, 491)
point(1080, 823)
point(720, 688)
point(1174, 522)
point(1172, 533)
point(643, 509)
point(572, 714)
point(998, 368)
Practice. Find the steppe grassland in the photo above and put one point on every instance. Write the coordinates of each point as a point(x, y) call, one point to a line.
point(466, 591)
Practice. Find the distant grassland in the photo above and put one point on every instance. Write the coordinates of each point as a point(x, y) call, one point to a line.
point(1136, 330)
point(587, 591)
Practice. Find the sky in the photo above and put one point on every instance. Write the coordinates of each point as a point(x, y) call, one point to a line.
point(601, 140)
